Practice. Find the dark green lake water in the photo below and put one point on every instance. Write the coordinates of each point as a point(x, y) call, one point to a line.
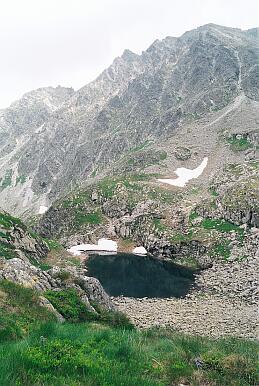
point(140, 276)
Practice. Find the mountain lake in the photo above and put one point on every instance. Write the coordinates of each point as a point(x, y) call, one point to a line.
point(139, 276)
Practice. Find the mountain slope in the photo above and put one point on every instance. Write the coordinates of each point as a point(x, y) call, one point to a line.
point(196, 92)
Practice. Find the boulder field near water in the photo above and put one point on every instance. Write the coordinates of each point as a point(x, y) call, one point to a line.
point(224, 302)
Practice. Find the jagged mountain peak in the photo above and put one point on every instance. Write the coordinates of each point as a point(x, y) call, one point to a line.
point(129, 55)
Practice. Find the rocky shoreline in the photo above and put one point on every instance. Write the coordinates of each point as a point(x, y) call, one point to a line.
point(222, 304)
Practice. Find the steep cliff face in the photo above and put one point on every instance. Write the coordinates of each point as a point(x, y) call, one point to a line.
point(186, 95)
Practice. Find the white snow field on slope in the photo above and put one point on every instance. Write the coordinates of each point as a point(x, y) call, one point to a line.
point(43, 209)
point(185, 175)
point(102, 245)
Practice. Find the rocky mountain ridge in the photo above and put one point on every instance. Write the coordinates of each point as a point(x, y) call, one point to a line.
point(180, 100)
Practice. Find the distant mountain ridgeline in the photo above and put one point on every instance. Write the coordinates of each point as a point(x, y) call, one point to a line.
point(181, 100)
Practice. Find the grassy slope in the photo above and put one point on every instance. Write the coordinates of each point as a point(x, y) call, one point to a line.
point(110, 354)
point(20, 311)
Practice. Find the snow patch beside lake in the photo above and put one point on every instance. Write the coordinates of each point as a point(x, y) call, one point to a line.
point(102, 245)
point(140, 251)
point(185, 175)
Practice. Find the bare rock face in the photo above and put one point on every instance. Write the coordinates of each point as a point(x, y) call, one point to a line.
point(17, 241)
point(180, 93)
point(22, 272)
point(95, 292)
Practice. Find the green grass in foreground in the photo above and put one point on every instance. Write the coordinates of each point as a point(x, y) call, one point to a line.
point(91, 354)
point(20, 311)
point(37, 351)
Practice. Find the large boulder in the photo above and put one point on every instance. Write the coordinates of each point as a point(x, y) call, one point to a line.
point(26, 274)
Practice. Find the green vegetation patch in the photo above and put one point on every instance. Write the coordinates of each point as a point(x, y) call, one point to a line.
point(91, 353)
point(163, 195)
point(159, 225)
point(77, 198)
point(193, 215)
point(68, 304)
point(5, 235)
point(239, 144)
point(221, 225)
point(141, 146)
point(87, 354)
point(108, 185)
point(37, 263)
point(162, 155)
point(7, 250)
point(19, 311)
point(6, 181)
point(8, 222)
point(137, 188)
point(213, 191)
point(20, 180)
point(89, 218)
point(182, 237)
point(53, 244)
point(94, 173)
point(221, 249)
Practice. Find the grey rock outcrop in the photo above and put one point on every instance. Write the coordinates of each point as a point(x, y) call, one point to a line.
point(16, 240)
point(22, 272)
point(95, 292)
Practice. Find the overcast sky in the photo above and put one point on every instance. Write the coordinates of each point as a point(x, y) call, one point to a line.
point(69, 42)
